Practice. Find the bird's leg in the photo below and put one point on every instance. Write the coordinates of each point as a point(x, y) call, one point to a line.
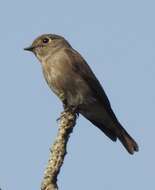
point(65, 105)
point(71, 108)
point(64, 102)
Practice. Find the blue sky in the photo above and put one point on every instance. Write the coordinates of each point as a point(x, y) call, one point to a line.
point(117, 38)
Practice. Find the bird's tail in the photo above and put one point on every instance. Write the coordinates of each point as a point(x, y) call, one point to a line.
point(119, 132)
point(128, 142)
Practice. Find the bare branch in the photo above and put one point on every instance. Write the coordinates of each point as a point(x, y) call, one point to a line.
point(58, 151)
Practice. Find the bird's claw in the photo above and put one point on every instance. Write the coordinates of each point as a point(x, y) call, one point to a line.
point(72, 109)
point(61, 115)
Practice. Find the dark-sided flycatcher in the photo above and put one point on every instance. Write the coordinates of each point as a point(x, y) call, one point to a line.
point(72, 80)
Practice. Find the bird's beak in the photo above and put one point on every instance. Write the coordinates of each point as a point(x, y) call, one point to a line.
point(30, 48)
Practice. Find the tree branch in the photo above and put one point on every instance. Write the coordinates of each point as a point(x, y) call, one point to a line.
point(58, 151)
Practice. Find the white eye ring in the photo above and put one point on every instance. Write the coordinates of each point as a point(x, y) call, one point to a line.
point(45, 40)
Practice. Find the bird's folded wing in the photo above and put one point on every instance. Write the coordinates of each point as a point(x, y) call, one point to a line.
point(80, 66)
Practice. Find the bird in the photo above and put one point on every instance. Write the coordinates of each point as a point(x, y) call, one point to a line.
point(70, 77)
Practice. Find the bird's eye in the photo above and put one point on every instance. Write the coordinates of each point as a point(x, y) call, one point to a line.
point(45, 40)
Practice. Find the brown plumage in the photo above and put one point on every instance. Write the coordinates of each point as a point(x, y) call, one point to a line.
point(72, 80)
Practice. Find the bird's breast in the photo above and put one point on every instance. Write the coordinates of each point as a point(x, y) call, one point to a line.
point(61, 78)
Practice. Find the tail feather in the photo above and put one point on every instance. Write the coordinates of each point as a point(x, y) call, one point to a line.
point(118, 132)
point(128, 142)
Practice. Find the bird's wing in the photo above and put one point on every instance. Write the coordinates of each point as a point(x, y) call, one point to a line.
point(80, 66)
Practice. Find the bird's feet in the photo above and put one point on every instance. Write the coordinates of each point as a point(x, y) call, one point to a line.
point(72, 109)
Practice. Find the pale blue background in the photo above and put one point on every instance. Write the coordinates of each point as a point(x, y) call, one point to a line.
point(117, 38)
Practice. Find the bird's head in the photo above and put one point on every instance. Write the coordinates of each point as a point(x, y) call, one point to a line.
point(46, 44)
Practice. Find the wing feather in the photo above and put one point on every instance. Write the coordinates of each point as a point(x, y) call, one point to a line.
point(80, 66)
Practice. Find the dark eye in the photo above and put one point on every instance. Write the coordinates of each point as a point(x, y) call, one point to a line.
point(45, 40)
